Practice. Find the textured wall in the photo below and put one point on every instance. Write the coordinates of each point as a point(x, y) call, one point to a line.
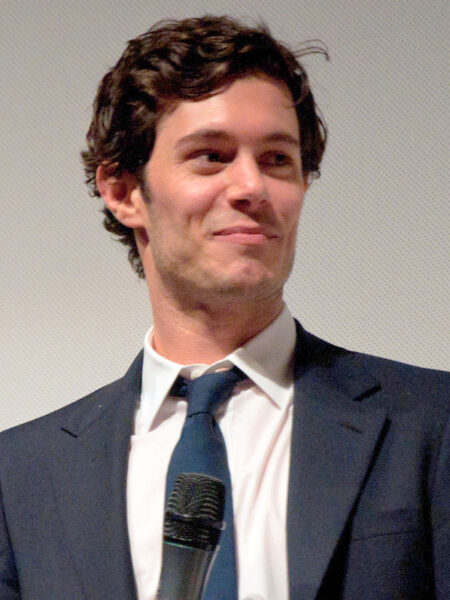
point(372, 266)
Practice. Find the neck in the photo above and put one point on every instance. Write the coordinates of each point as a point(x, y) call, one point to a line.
point(208, 332)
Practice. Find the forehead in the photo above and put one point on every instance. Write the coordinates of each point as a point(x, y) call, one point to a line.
point(251, 107)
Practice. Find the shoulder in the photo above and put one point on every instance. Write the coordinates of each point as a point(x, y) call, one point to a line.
point(402, 376)
point(413, 402)
point(394, 384)
point(38, 433)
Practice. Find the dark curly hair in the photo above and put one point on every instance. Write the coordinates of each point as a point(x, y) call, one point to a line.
point(185, 60)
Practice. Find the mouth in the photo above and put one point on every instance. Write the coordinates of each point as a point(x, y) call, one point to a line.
point(244, 234)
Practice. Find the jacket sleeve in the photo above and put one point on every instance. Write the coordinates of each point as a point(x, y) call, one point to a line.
point(440, 518)
point(9, 585)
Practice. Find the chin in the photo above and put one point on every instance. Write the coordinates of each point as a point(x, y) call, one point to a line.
point(246, 285)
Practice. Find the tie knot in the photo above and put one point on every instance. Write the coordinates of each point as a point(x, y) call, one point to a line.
point(207, 392)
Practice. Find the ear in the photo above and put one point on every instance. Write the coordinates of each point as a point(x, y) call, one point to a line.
point(122, 196)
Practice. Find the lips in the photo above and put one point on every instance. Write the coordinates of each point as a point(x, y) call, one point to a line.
point(245, 234)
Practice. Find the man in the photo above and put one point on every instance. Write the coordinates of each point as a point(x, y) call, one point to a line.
point(203, 142)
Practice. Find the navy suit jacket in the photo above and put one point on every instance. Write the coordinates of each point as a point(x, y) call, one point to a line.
point(368, 491)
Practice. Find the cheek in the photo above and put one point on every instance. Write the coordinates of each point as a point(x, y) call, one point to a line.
point(291, 209)
point(196, 201)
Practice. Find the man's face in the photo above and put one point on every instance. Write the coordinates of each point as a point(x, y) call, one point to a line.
point(224, 190)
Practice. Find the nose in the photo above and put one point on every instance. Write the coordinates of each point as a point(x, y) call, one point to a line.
point(245, 186)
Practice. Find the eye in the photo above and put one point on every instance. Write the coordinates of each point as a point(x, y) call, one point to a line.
point(208, 161)
point(276, 159)
point(280, 164)
point(211, 156)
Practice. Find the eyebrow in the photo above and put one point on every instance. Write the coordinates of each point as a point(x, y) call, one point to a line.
point(204, 135)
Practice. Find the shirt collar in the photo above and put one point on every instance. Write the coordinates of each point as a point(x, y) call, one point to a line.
point(266, 359)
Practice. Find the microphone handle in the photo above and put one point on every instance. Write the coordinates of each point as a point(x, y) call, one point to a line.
point(184, 572)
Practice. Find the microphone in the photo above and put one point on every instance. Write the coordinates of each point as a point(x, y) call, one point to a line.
point(192, 524)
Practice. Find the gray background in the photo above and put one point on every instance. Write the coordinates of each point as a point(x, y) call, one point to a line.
point(372, 267)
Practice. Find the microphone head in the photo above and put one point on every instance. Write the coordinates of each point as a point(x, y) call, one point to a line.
point(194, 515)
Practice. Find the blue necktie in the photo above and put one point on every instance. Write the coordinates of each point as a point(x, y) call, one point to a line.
point(201, 449)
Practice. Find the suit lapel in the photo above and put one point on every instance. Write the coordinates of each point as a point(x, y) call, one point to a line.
point(90, 487)
point(333, 440)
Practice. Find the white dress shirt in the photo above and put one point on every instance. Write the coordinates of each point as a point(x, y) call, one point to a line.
point(256, 425)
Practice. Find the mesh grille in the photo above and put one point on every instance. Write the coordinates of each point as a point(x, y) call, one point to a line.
point(195, 510)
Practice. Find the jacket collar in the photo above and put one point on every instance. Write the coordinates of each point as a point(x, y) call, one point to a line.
point(89, 480)
point(333, 440)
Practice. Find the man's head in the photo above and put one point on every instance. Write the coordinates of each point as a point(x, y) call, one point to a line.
point(186, 60)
